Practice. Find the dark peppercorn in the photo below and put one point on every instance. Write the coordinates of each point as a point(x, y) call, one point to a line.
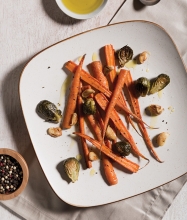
point(11, 174)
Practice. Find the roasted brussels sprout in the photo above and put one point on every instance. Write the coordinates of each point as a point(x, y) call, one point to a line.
point(142, 86)
point(71, 168)
point(124, 55)
point(159, 83)
point(89, 107)
point(122, 147)
point(48, 111)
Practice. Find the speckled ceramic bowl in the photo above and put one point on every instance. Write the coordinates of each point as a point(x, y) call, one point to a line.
point(14, 156)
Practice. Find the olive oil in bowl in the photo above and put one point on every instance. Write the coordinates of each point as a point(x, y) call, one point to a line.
point(81, 9)
point(82, 6)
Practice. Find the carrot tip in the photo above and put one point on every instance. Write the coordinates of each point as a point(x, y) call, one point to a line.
point(145, 164)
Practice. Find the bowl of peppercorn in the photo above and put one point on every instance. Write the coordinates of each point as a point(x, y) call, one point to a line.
point(14, 174)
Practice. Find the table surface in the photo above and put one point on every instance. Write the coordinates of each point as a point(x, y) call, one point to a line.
point(17, 24)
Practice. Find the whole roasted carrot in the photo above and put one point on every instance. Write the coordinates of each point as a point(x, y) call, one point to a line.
point(82, 130)
point(114, 98)
point(109, 53)
point(97, 72)
point(103, 102)
point(106, 161)
point(128, 164)
point(136, 108)
point(72, 99)
point(107, 164)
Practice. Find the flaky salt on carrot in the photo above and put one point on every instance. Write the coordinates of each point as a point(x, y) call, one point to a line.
point(72, 99)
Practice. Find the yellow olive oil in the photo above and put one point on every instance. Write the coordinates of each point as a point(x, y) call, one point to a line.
point(92, 172)
point(94, 57)
point(131, 64)
point(64, 88)
point(82, 6)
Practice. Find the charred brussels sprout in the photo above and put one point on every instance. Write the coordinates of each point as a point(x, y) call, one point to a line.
point(159, 83)
point(122, 147)
point(71, 168)
point(48, 111)
point(142, 86)
point(124, 55)
point(89, 107)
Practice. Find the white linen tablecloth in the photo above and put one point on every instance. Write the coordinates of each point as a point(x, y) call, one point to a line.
point(36, 29)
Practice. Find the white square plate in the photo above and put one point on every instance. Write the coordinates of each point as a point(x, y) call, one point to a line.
point(44, 78)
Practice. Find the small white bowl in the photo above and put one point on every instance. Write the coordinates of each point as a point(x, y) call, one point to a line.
point(77, 15)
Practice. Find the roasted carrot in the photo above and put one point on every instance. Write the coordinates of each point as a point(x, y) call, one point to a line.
point(128, 164)
point(103, 102)
point(72, 99)
point(94, 126)
point(109, 53)
point(86, 77)
point(108, 167)
point(85, 87)
point(110, 174)
point(107, 164)
point(136, 108)
point(97, 71)
point(71, 66)
point(110, 62)
point(82, 130)
point(114, 98)
point(106, 161)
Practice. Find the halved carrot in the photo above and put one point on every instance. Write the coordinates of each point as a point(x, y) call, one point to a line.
point(72, 99)
point(82, 130)
point(136, 108)
point(114, 98)
point(71, 66)
point(128, 164)
point(103, 102)
point(97, 72)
